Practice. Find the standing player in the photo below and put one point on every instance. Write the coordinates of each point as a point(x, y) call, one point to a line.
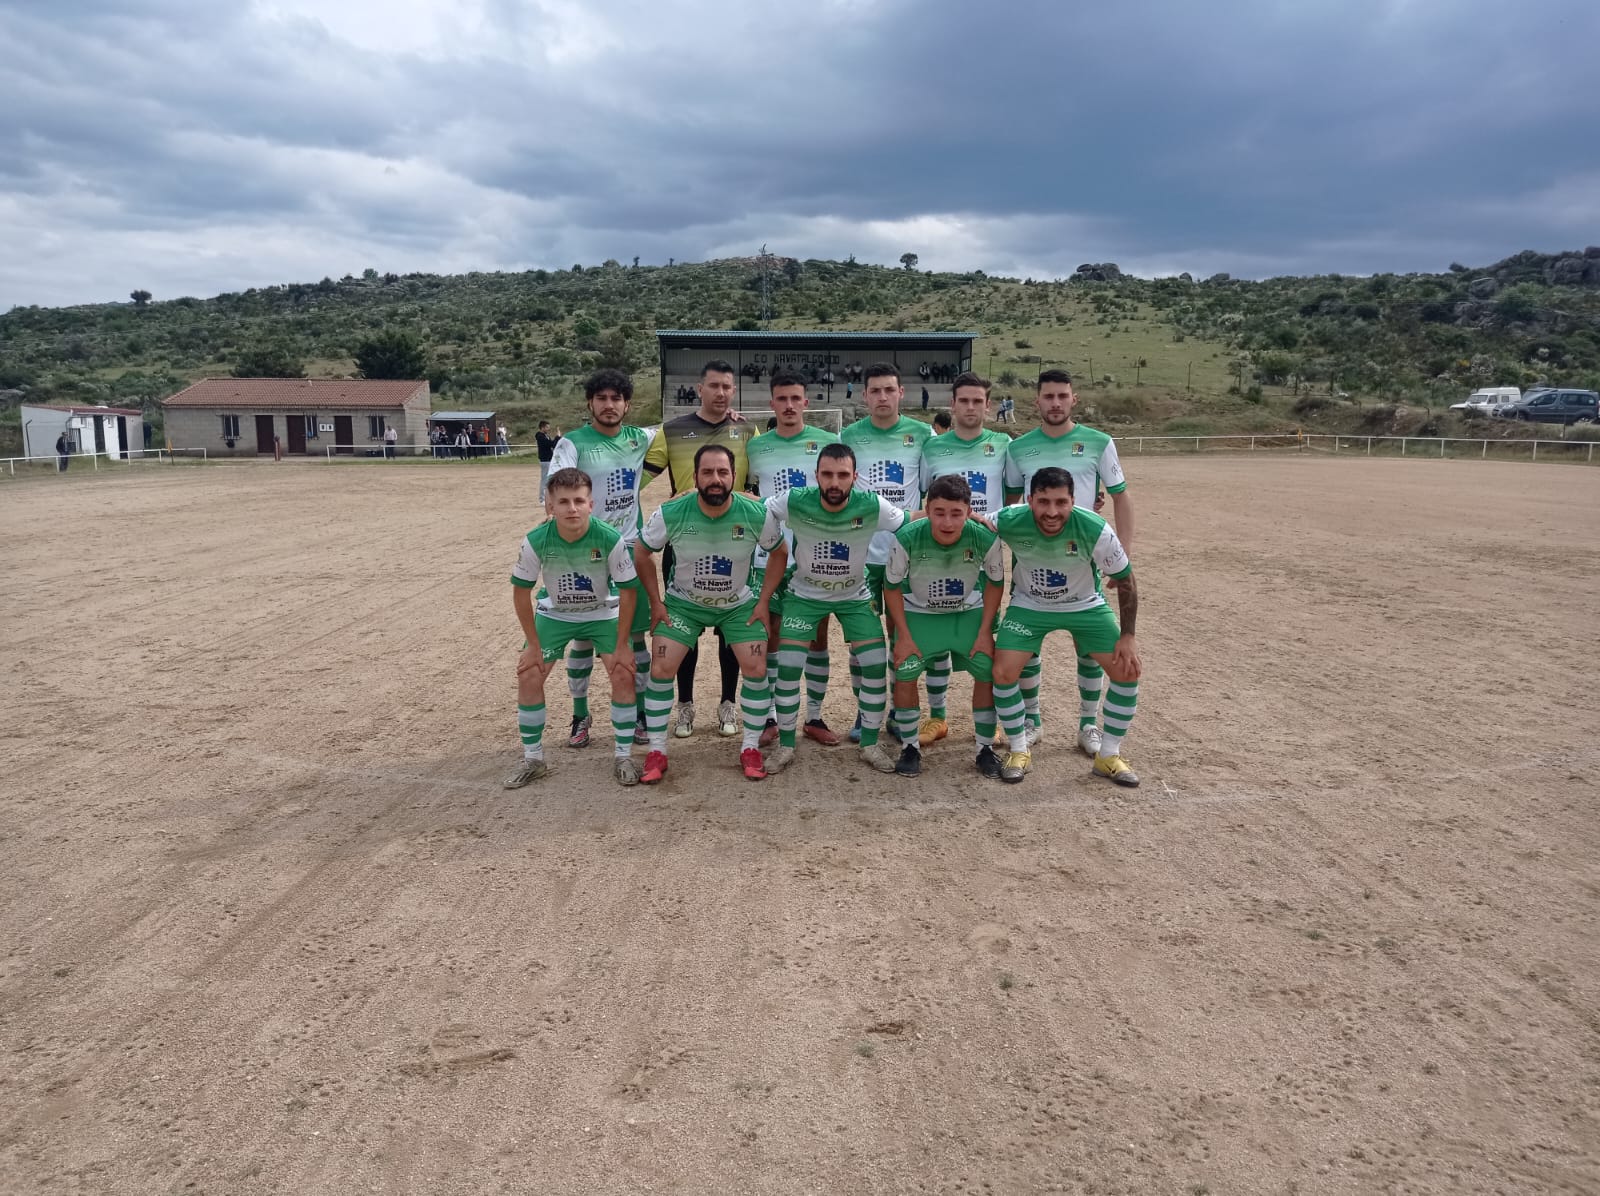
point(1060, 553)
point(589, 587)
point(973, 452)
point(612, 453)
point(888, 453)
point(832, 526)
point(1090, 456)
point(784, 459)
point(673, 452)
point(712, 533)
point(942, 592)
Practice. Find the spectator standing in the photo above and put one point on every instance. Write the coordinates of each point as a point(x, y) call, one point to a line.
point(924, 398)
point(63, 453)
point(391, 437)
point(502, 441)
point(545, 440)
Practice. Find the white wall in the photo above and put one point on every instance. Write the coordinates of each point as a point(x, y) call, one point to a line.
point(41, 426)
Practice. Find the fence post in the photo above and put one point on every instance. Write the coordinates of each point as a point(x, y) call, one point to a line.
point(1252, 444)
point(1141, 444)
point(1535, 450)
point(1197, 444)
point(1441, 448)
point(1369, 446)
point(1485, 449)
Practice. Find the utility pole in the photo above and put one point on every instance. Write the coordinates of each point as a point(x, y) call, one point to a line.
point(766, 274)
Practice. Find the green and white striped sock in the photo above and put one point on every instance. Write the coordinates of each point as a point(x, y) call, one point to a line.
point(1013, 715)
point(1029, 685)
point(874, 659)
point(623, 721)
point(530, 725)
point(580, 665)
point(1122, 699)
point(983, 722)
point(791, 664)
point(1091, 680)
point(641, 673)
point(907, 721)
point(657, 711)
point(817, 683)
point(755, 699)
point(938, 675)
point(772, 683)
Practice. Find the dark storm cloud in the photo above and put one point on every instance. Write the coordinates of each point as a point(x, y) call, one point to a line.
point(292, 139)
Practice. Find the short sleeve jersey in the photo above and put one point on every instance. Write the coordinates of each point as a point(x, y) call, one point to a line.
point(710, 555)
point(1088, 454)
point(679, 439)
point(889, 462)
point(779, 464)
point(1061, 573)
point(938, 578)
point(615, 465)
point(580, 576)
point(981, 461)
point(830, 547)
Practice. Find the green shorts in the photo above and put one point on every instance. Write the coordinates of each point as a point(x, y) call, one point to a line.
point(556, 634)
point(1092, 630)
point(686, 620)
point(801, 616)
point(953, 632)
point(875, 586)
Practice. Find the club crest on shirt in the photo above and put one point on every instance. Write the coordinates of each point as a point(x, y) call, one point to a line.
point(738, 531)
point(596, 556)
point(1072, 548)
point(1077, 449)
point(969, 556)
point(910, 441)
point(811, 447)
point(988, 450)
point(858, 522)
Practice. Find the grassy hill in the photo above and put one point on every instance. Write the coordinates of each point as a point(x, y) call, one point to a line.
point(1379, 353)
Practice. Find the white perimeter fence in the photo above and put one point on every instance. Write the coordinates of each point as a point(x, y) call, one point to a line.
point(1581, 451)
point(51, 463)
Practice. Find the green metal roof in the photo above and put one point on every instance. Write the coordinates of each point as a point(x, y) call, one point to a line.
point(728, 334)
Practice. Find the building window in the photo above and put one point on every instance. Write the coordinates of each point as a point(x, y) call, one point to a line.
point(375, 426)
point(311, 427)
point(230, 427)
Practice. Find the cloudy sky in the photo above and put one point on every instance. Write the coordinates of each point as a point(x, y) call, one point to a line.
point(198, 146)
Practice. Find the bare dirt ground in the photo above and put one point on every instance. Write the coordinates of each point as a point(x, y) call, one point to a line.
point(268, 923)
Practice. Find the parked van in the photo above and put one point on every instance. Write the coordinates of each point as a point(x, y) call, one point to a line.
point(1484, 401)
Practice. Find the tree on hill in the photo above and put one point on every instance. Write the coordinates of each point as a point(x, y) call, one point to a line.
point(393, 354)
point(139, 297)
point(270, 360)
point(909, 260)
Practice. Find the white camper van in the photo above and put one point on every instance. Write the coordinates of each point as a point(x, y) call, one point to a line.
point(1484, 401)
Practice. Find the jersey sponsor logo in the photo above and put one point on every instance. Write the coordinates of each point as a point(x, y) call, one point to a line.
point(830, 558)
point(621, 485)
point(881, 473)
point(571, 586)
point(977, 481)
point(947, 591)
point(789, 479)
point(1047, 583)
point(713, 573)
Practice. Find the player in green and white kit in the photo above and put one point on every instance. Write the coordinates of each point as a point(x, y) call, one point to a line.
point(781, 460)
point(713, 534)
point(973, 452)
point(589, 585)
point(832, 526)
point(1060, 552)
point(942, 591)
point(612, 453)
point(1090, 456)
point(888, 450)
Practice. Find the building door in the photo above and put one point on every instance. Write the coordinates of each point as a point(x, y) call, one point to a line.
point(344, 434)
point(99, 434)
point(122, 437)
point(264, 435)
point(297, 432)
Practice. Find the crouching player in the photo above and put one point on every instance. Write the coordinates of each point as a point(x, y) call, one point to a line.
point(589, 585)
point(941, 591)
point(1060, 553)
point(713, 534)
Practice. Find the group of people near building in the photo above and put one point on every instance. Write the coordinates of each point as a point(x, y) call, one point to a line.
point(463, 440)
point(899, 534)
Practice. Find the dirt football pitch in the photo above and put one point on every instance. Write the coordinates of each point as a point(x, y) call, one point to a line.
point(269, 923)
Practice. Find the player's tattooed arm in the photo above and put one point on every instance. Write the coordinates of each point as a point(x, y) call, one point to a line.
point(1128, 603)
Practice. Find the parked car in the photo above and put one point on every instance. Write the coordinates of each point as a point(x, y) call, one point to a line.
point(1552, 406)
point(1481, 402)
